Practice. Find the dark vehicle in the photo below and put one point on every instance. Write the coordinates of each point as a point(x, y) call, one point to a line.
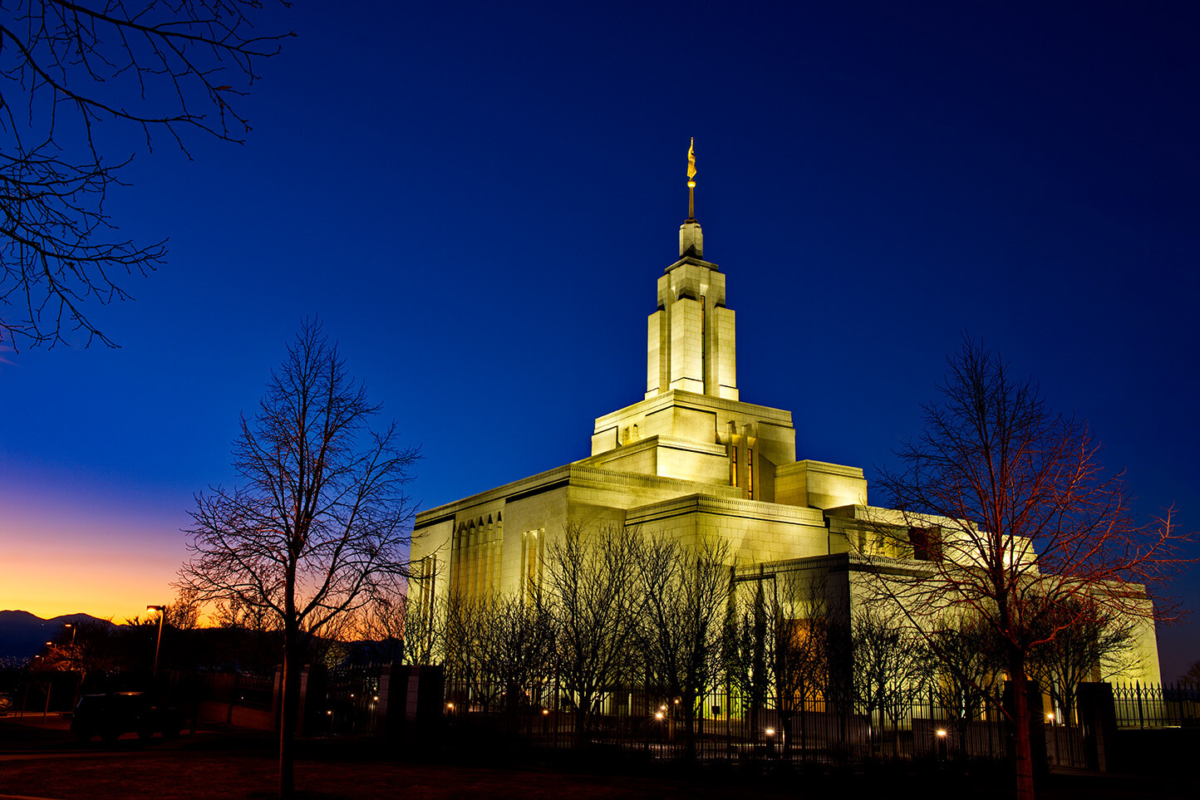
point(110, 715)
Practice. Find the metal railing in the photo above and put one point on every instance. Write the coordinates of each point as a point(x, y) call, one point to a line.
point(1149, 705)
point(727, 724)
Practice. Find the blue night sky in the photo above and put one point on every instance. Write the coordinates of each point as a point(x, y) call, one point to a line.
point(478, 200)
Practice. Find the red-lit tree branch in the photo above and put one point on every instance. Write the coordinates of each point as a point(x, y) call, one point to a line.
point(1020, 525)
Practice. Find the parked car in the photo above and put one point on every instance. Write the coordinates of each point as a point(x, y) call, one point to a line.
point(110, 715)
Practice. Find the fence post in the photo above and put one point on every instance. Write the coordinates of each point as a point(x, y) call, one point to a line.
point(728, 720)
point(232, 698)
point(305, 676)
point(1097, 715)
point(277, 695)
point(1138, 691)
point(381, 705)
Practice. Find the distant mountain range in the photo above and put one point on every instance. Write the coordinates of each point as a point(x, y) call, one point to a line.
point(22, 634)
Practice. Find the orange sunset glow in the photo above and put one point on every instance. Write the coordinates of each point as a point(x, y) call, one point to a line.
point(86, 554)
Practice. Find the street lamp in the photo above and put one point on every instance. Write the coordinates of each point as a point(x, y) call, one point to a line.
point(161, 613)
point(74, 630)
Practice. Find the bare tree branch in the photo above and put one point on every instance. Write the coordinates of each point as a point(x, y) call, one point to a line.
point(161, 68)
point(321, 524)
point(1005, 514)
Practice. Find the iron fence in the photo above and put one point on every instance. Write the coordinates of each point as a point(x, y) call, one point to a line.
point(727, 724)
point(248, 691)
point(1148, 705)
point(344, 701)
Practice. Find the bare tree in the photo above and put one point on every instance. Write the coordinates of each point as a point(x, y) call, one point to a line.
point(161, 68)
point(966, 678)
point(465, 630)
point(798, 651)
point(592, 579)
point(1006, 506)
point(233, 613)
point(518, 650)
point(1192, 676)
point(91, 648)
point(321, 519)
point(1090, 640)
point(183, 613)
point(423, 630)
point(378, 628)
point(686, 592)
point(890, 666)
point(748, 622)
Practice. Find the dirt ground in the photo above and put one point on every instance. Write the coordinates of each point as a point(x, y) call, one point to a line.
point(44, 762)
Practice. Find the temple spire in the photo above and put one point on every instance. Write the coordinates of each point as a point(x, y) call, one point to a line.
point(691, 173)
point(691, 238)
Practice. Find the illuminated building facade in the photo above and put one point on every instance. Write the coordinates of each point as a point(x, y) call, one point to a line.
point(691, 460)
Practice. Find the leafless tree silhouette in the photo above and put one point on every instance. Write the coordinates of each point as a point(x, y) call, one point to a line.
point(685, 591)
point(968, 667)
point(890, 665)
point(594, 592)
point(1094, 641)
point(1011, 517)
point(321, 522)
point(162, 69)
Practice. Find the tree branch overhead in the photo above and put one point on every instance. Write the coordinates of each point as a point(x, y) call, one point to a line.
point(163, 68)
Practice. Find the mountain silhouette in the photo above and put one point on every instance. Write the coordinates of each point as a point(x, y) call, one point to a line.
point(23, 634)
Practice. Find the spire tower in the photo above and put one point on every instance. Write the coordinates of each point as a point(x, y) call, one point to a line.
point(690, 345)
point(691, 238)
point(691, 173)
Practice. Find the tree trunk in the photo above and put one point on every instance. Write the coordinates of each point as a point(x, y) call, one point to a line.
point(290, 712)
point(689, 721)
point(581, 719)
point(1023, 754)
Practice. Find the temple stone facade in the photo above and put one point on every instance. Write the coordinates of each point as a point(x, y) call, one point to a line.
point(691, 460)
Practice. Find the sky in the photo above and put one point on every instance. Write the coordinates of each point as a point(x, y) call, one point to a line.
point(477, 200)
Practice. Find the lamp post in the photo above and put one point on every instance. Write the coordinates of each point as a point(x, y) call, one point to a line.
point(161, 613)
point(74, 630)
point(71, 662)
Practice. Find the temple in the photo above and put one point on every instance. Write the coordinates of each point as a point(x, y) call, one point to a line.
point(691, 460)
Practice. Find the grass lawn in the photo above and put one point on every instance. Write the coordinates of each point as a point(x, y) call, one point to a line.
point(230, 765)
